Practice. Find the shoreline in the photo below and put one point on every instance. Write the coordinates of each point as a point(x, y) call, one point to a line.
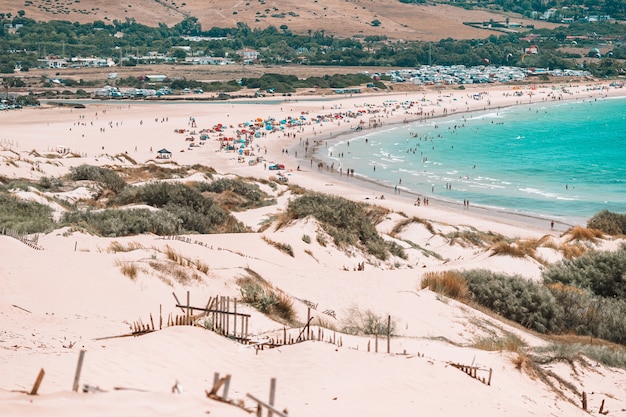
point(382, 109)
point(538, 220)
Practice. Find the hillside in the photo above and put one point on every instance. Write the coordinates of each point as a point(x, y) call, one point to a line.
point(340, 18)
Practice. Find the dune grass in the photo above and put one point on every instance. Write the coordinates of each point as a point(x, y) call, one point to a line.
point(260, 294)
point(448, 283)
point(128, 268)
point(283, 247)
point(509, 342)
point(401, 225)
point(366, 322)
point(578, 233)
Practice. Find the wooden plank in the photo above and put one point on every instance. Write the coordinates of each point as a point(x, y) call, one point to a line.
point(269, 407)
point(37, 382)
point(213, 310)
point(178, 302)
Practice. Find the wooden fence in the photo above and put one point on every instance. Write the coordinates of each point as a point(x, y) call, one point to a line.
point(218, 316)
point(30, 240)
point(473, 372)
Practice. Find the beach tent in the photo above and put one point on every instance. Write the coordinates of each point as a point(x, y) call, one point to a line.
point(164, 154)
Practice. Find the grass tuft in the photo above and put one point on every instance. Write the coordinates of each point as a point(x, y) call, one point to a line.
point(448, 283)
point(579, 233)
point(128, 268)
point(283, 247)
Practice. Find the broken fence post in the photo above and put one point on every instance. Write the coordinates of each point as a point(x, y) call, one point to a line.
point(272, 396)
point(79, 367)
point(37, 382)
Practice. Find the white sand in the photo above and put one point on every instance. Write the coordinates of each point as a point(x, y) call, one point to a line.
point(75, 293)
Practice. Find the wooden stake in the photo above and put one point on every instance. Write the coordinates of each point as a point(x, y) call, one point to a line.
point(177, 302)
point(308, 321)
point(160, 316)
point(388, 334)
point(273, 396)
point(235, 317)
point(188, 314)
point(227, 316)
point(79, 367)
point(37, 382)
point(226, 386)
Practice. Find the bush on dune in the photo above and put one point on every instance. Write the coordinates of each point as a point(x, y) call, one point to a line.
point(346, 221)
point(196, 213)
point(516, 298)
point(608, 222)
point(115, 223)
point(106, 178)
point(25, 216)
point(602, 272)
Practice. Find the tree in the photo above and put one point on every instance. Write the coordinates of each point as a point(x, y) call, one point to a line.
point(179, 53)
point(375, 22)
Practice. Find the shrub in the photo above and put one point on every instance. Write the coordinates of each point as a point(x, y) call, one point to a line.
point(251, 195)
point(601, 272)
point(515, 298)
point(346, 221)
point(260, 295)
point(25, 216)
point(608, 222)
point(115, 223)
point(106, 178)
point(366, 322)
point(193, 211)
point(306, 238)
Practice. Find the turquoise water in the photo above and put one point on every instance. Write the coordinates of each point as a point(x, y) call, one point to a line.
point(564, 160)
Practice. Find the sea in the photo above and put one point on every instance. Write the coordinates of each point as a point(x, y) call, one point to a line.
point(562, 160)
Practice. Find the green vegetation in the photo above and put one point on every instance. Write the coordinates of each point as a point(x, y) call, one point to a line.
point(584, 296)
point(358, 322)
point(516, 298)
point(346, 221)
point(182, 204)
point(278, 46)
point(283, 247)
point(106, 178)
point(602, 273)
point(257, 292)
point(25, 216)
point(608, 222)
point(235, 194)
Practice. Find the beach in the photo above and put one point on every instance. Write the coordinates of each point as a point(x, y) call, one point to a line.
point(71, 295)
